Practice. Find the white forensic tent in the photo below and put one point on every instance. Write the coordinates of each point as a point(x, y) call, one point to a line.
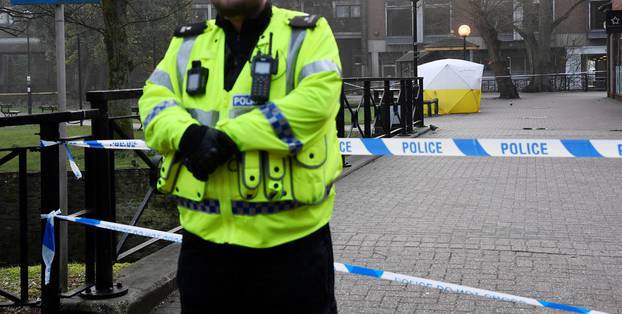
point(456, 83)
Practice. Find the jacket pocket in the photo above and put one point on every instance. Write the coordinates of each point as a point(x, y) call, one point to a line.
point(169, 171)
point(277, 183)
point(189, 187)
point(249, 175)
point(309, 182)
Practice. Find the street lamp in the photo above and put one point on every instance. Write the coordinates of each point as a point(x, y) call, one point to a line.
point(464, 31)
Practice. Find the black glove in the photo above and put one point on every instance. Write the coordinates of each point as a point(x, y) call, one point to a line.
point(204, 149)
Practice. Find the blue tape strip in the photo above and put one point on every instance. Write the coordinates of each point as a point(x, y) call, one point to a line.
point(581, 148)
point(364, 271)
point(94, 144)
point(376, 146)
point(471, 147)
point(88, 221)
point(563, 307)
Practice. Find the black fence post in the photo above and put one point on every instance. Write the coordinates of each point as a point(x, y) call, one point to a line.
point(104, 205)
point(385, 108)
point(585, 86)
point(367, 107)
point(341, 117)
point(404, 103)
point(23, 225)
point(50, 293)
point(419, 120)
point(90, 201)
point(409, 106)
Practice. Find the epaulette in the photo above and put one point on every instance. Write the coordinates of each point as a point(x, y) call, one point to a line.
point(190, 30)
point(304, 21)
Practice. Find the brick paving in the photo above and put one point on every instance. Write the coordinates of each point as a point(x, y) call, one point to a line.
point(541, 228)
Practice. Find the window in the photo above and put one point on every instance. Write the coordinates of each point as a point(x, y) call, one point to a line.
point(399, 18)
point(5, 19)
point(437, 17)
point(347, 9)
point(597, 17)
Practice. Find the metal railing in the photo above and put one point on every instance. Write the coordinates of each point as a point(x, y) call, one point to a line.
point(379, 98)
point(22, 154)
point(561, 82)
point(390, 106)
point(50, 201)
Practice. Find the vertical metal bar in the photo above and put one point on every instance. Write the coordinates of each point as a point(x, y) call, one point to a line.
point(409, 105)
point(419, 119)
point(104, 238)
point(23, 225)
point(385, 108)
point(403, 107)
point(341, 119)
point(367, 107)
point(90, 191)
point(103, 172)
point(50, 200)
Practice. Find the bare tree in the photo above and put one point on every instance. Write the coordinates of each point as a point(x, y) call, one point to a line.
point(124, 32)
point(536, 27)
point(487, 16)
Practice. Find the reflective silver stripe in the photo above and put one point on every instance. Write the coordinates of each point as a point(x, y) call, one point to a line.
point(317, 67)
point(161, 78)
point(183, 57)
point(157, 109)
point(204, 117)
point(298, 37)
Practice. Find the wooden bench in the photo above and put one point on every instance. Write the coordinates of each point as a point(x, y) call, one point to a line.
point(50, 108)
point(432, 103)
point(7, 110)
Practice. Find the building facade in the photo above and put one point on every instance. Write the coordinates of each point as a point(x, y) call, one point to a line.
point(376, 38)
point(614, 49)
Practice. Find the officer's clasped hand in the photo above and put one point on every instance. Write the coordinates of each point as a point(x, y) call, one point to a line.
point(204, 149)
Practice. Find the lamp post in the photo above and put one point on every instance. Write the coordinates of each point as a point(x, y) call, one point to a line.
point(28, 78)
point(464, 31)
point(415, 57)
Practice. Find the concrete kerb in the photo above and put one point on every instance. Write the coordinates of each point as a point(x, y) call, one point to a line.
point(149, 280)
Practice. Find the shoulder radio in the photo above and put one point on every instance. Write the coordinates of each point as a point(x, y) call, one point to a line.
point(263, 66)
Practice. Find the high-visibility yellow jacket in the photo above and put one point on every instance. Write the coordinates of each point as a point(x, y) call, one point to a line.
point(281, 189)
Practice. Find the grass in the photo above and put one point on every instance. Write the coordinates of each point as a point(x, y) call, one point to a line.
point(9, 278)
point(25, 136)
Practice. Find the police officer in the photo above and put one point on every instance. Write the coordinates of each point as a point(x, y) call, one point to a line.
point(252, 172)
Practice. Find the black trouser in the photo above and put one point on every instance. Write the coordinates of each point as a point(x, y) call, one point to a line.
point(296, 277)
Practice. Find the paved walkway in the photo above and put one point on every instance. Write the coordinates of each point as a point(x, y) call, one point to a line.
point(541, 228)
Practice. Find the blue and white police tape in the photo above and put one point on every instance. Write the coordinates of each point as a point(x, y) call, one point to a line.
point(48, 249)
point(482, 147)
point(340, 267)
point(72, 163)
point(103, 144)
point(436, 147)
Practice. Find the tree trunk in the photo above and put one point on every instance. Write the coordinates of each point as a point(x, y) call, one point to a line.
point(490, 35)
point(507, 89)
point(119, 61)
